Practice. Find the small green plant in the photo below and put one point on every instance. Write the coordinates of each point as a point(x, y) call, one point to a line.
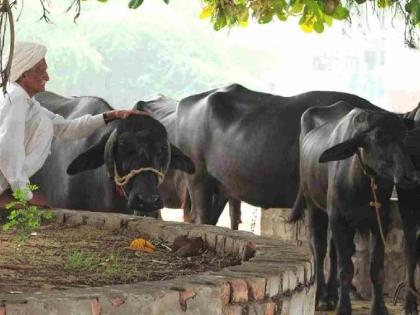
point(113, 266)
point(78, 260)
point(24, 217)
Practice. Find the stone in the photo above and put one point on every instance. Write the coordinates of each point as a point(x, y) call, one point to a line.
point(269, 268)
point(239, 290)
point(232, 310)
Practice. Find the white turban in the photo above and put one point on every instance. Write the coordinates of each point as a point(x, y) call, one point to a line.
point(25, 56)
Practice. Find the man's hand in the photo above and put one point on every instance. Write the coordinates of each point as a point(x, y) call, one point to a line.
point(122, 114)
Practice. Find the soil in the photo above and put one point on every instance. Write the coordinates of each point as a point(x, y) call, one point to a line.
point(363, 308)
point(61, 257)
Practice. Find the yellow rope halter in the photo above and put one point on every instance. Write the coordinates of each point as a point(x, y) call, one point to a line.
point(123, 180)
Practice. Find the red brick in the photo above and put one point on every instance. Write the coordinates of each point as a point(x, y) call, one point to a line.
point(239, 290)
point(225, 292)
point(95, 307)
point(256, 288)
point(270, 308)
point(184, 296)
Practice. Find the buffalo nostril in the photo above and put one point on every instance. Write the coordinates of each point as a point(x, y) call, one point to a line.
point(158, 203)
point(154, 198)
point(140, 200)
point(148, 199)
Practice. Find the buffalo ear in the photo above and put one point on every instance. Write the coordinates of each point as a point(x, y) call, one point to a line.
point(341, 151)
point(180, 161)
point(90, 159)
point(409, 123)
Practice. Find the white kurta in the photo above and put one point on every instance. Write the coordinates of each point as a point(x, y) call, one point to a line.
point(26, 133)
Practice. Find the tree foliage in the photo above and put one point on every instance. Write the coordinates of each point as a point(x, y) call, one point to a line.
point(313, 15)
point(130, 55)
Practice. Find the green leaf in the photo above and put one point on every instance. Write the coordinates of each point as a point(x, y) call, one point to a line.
point(103, 0)
point(220, 22)
point(296, 6)
point(134, 4)
point(282, 17)
point(265, 18)
point(26, 219)
point(312, 5)
point(319, 27)
point(328, 20)
point(166, 1)
point(410, 6)
point(385, 3)
point(341, 13)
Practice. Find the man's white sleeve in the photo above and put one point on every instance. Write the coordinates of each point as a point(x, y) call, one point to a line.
point(12, 144)
point(78, 128)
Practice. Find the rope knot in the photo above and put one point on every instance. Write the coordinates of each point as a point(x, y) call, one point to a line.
point(375, 204)
point(123, 180)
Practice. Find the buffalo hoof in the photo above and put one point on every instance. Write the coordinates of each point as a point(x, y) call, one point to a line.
point(343, 312)
point(379, 310)
point(332, 299)
point(410, 306)
point(332, 304)
point(409, 312)
point(327, 305)
point(324, 306)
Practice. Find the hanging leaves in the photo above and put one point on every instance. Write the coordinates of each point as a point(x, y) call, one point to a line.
point(134, 4)
point(314, 14)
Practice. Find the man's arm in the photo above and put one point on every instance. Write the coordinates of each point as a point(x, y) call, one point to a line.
point(84, 126)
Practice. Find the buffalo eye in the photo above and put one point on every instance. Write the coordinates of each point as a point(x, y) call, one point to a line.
point(161, 149)
point(125, 147)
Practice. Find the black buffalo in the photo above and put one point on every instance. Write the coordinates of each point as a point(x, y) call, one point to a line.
point(408, 202)
point(138, 145)
point(359, 145)
point(174, 189)
point(245, 144)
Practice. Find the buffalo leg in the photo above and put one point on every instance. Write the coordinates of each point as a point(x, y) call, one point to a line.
point(219, 202)
point(343, 235)
point(201, 193)
point(406, 201)
point(318, 225)
point(332, 283)
point(234, 213)
point(377, 271)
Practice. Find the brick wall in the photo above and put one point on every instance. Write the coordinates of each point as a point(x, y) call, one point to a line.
point(273, 224)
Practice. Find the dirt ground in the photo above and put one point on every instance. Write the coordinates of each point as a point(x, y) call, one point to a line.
point(59, 257)
point(363, 308)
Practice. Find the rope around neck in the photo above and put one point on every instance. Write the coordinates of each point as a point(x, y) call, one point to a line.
point(375, 203)
point(123, 180)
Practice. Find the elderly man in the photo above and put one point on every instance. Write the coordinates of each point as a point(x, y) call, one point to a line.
point(27, 129)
